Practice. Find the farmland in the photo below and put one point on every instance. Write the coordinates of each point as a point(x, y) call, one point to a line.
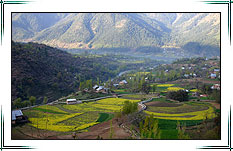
point(70, 118)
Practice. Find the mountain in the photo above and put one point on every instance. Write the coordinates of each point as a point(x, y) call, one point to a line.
point(119, 30)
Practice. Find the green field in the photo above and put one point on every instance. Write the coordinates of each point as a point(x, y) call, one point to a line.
point(169, 127)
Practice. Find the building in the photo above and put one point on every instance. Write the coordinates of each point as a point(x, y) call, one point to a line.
point(215, 86)
point(71, 101)
point(213, 75)
point(115, 85)
point(95, 87)
point(18, 117)
point(123, 82)
point(102, 89)
point(186, 75)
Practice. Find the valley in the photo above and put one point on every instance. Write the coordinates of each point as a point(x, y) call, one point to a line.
point(120, 76)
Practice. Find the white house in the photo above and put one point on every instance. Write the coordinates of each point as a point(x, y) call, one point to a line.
point(71, 101)
point(95, 87)
point(16, 115)
point(100, 88)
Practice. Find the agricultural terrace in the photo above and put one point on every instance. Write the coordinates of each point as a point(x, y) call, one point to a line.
point(169, 113)
point(166, 87)
point(162, 109)
point(78, 117)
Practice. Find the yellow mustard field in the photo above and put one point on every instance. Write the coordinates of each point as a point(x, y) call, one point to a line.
point(81, 116)
point(197, 115)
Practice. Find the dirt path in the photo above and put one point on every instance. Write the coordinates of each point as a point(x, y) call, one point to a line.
point(102, 131)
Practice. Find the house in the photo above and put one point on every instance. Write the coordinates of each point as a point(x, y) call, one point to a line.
point(100, 88)
point(95, 87)
point(71, 101)
point(123, 82)
point(186, 75)
point(18, 117)
point(195, 94)
point(115, 85)
point(203, 95)
point(215, 86)
point(213, 75)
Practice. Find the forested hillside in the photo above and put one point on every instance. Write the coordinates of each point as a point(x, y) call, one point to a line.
point(39, 70)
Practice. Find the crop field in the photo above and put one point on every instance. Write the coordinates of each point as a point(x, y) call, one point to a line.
point(180, 111)
point(167, 87)
point(169, 127)
point(78, 117)
point(169, 113)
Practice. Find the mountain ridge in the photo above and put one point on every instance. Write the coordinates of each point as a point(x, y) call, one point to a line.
point(118, 30)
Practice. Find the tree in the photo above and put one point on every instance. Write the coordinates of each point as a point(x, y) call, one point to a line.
point(181, 131)
point(146, 88)
point(32, 100)
point(129, 107)
point(17, 103)
point(25, 103)
point(111, 133)
point(45, 101)
point(150, 128)
point(154, 88)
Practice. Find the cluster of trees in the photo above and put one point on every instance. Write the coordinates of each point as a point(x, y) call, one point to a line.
point(129, 107)
point(180, 95)
point(86, 84)
point(18, 103)
point(138, 84)
point(149, 128)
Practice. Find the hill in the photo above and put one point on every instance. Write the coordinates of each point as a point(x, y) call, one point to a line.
point(39, 70)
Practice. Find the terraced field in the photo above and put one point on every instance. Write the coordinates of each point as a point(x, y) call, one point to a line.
point(180, 111)
point(78, 117)
point(169, 113)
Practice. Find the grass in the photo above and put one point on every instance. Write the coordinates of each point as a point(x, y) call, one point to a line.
point(104, 117)
point(48, 111)
point(168, 127)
